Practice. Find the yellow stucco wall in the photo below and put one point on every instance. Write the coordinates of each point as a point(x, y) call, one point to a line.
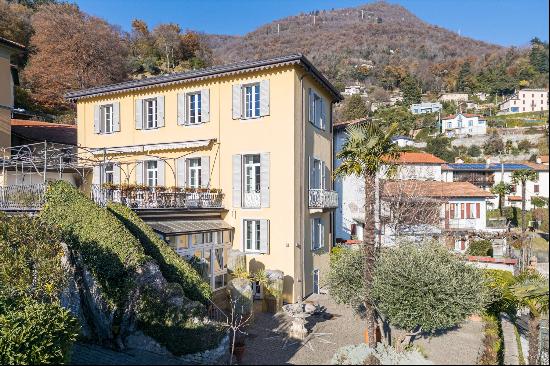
point(6, 98)
point(278, 133)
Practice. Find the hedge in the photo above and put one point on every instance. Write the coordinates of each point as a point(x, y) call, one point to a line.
point(483, 248)
point(108, 249)
point(173, 267)
point(35, 333)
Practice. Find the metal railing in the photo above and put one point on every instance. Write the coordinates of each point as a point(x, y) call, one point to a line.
point(22, 197)
point(323, 198)
point(156, 198)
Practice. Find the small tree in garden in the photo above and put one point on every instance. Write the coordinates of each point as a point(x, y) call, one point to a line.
point(424, 288)
point(531, 291)
point(522, 176)
point(501, 189)
point(481, 248)
point(345, 277)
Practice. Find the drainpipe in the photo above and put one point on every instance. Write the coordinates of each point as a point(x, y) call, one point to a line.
point(302, 195)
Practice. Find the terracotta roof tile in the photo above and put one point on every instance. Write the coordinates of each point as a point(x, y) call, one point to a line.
point(467, 115)
point(343, 124)
point(434, 189)
point(44, 131)
point(418, 157)
point(544, 159)
point(514, 198)
point(537, 167)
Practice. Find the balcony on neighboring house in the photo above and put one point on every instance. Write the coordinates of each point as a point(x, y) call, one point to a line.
point(157, 197)
point(479, 180)
point(323, 199)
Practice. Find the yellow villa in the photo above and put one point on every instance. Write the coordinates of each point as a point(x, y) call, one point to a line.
point(235, 157)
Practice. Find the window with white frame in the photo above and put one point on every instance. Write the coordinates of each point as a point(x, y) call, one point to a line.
point(210, 249)
point(106, 118)
point(194, 172)
point(251, 96)
point(194, 108)
point(151, 173)
point(252, 179)
point(316, 109)
point(252, 235)
point(109, 173)
point(317, 233)
point(317, 172)
point(151, 113)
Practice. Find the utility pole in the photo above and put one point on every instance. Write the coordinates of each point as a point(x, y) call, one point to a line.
point(362, 14)
point(314, 20)
point(278, 28)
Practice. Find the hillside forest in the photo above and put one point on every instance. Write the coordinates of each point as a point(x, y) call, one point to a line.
point(380, 45)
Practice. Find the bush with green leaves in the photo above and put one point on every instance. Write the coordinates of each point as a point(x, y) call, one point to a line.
point(35, 333)
point(482, 248)
point(30, 258)
point(501, 298)
point(173, 267)
point(426, 287)
point(108, 249)
point(345, 277)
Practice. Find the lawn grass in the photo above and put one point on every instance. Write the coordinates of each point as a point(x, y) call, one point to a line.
point(538, 243)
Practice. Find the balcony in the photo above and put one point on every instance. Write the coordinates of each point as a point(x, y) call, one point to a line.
point(323, 199)
point(158, 197)
point(475, 179)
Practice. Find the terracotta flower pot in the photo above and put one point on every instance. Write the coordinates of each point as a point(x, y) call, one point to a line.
point(378, 335)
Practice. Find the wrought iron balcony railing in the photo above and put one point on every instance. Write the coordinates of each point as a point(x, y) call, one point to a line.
point(323, 198)
point(22, 197)
point(152, 198)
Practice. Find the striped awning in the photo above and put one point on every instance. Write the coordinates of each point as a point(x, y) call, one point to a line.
point(174, 227)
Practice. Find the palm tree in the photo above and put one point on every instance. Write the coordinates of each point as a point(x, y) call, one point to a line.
point(367, 148)
point(501, 189)
point(531, 291)
point(522, 176)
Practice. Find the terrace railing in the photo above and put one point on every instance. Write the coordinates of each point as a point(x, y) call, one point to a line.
point(322, 198)
point(152, 198)
point(22, 197)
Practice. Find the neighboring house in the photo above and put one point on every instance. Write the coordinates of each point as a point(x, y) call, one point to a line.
point(30, 140)
point(351, 189)
point(463, 124)
point(236, 156)
point(453, 97)
point(543, 159)
point(460, 210)
point(7, 49)
point(485, 176)
point(482, 96)
point(352, 90)
point(525, 100)
point(425, 107)
point(403, 141)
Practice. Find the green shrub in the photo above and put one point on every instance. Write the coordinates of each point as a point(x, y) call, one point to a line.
point(493, 343)
point(482, 248)
point(110, 251)
point(502, 299)
point(30, 258)
point(35, 333)
point(173, 267)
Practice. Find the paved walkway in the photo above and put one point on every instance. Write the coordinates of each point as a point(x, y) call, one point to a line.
point(268, 344)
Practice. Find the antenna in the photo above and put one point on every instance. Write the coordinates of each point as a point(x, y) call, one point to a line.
point(278, 28)
point(362, 14)
point(314, 20)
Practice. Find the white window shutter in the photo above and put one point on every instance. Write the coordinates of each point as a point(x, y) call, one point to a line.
point(264, 179)
point(97, 119)
point(237, 177)
point(311, 106)
point(160, 111)
point(161, 179)
point(96, 178)
point(116, 173)
point(321, 234)
point(116, 117)
point(205, 105)
point(181, 108)
point(312, 233)
point(205, 171)
point(264, 98)
point(264, 236)
point(139, 172)
point(181, 172)
point(237, 101)
point(139, 114)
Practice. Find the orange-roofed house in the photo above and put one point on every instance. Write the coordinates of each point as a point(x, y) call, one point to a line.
point(463, 124)
point(415, 210)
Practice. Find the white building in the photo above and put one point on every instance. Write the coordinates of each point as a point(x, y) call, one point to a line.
point(485, 176)
point(352, 90)
point(425, 107)
point(453, 97)
point(463, 124)
point(525, 100)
